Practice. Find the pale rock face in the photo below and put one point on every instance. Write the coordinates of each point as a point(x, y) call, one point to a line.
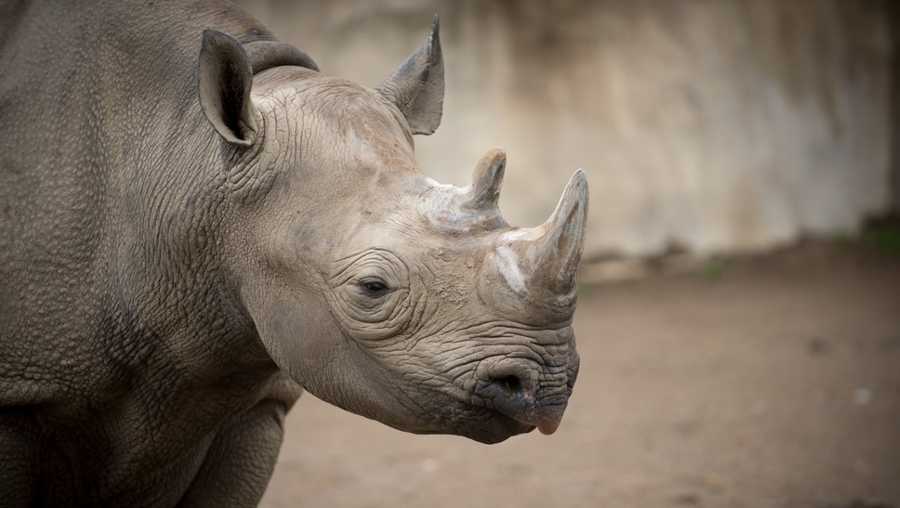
point(713, 126)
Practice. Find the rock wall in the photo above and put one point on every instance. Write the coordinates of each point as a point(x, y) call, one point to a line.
point(704, 125)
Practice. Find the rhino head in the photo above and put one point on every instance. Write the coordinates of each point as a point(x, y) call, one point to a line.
point(378, 289)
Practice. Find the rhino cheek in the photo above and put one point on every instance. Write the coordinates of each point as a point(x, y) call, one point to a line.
point(300, 335)
point(280, 325)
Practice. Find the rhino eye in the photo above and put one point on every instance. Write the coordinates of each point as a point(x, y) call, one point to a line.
point(374, 287)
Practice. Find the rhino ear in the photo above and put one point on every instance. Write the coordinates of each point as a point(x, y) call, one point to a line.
point(225, 77)
point(417, 87)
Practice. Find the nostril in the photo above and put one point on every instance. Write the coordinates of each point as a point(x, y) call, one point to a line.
point(512, 384)
point(517, 390)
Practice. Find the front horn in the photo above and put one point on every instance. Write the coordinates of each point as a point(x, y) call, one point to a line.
point(560, 239)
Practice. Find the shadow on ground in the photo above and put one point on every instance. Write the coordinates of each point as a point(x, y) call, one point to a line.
point(767, 382)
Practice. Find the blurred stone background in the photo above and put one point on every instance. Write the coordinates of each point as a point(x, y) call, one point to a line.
point(710, 126)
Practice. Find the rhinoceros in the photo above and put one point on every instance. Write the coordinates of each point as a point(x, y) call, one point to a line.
point(198, 225)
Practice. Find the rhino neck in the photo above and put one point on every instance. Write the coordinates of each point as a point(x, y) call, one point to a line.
point(131, 198)
point(267, 54)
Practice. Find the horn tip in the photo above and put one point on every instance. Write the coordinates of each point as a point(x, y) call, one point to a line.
point(496, 159)
point(435, 28)
point(497, 152)
point(579, 181)
point(487, 179)
point(433, 43)
point(574, 195)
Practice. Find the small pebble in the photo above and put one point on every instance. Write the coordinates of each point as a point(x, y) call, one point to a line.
point(862, 396)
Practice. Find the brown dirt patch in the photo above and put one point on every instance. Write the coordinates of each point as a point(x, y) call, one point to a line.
point(771, 381)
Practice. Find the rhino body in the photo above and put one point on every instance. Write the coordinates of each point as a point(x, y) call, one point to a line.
point(196, 226)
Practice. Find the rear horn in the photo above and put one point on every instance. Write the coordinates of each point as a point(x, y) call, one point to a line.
point(486, 181)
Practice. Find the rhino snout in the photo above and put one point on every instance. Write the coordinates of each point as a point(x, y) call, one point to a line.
point(527, 392)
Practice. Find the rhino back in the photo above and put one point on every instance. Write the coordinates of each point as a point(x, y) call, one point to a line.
point(103, 153)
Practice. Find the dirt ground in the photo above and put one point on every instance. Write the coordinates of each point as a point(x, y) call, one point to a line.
point(764, 382)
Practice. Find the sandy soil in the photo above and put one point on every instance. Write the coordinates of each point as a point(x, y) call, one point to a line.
point(765, 382)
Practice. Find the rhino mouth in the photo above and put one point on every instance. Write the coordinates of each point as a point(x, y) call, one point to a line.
point(546, 417)
point(512, 390)
point(503, 427)
point(491, 427)
point(471, 418)
point(495, 410)
point(491, 423)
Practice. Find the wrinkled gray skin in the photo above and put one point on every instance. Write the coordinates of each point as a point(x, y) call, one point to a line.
point(198, 226)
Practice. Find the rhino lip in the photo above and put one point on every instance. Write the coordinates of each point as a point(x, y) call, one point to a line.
point(548, 426)
point(525, 412)
point(547, 422)
point(511, 425)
